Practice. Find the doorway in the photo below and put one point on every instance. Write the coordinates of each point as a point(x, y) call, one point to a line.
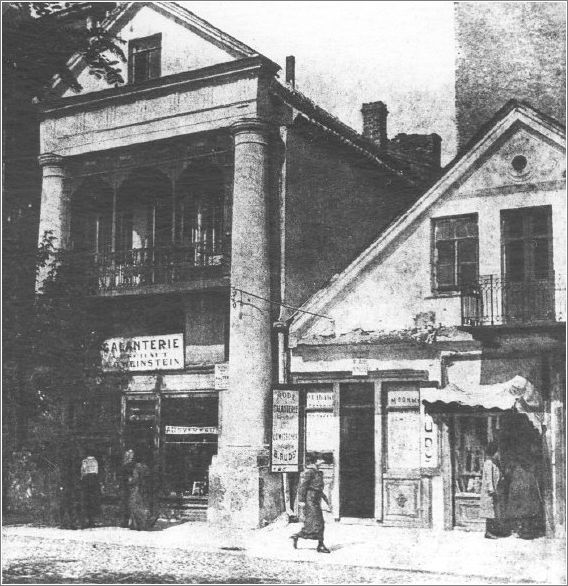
point(357, 450)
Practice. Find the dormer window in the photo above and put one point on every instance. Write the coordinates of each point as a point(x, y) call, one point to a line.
point(144, 57)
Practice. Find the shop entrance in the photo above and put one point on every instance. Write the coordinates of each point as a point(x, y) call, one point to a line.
point(357, 450)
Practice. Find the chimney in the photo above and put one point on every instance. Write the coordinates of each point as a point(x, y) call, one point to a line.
point(375, 122)
point(291, 70)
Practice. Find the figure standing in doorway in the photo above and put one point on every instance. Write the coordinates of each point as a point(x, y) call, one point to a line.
point(139, 502)
point(310, 495)
point(492, 497)
point(90, 491)
point(126, 471)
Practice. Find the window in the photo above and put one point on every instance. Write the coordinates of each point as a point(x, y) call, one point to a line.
point(455, 252)
point(144, 57)
point(527, 243)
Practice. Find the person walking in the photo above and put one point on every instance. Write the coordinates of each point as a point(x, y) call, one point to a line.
point(525, 504)
point(310, 495)
point(492, 496)
point(126, 470)
point(90, 491)
point(139, 502)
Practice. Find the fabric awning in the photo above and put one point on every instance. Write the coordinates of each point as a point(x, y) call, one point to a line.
point(517, 393)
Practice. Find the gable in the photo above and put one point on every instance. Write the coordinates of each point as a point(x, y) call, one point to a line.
point(389, 285)
point(187, 42)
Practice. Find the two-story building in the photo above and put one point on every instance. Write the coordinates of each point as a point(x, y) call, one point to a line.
point(448, 332)
point(204, 193)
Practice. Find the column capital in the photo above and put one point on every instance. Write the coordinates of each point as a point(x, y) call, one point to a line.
point(251, 125)
point(50, 160)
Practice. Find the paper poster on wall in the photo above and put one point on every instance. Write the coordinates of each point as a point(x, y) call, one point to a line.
point(221, 376)
point(285, 430)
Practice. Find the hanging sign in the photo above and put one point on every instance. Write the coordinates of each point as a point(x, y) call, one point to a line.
point(285, 430)
point(181, 430)
point(221, 377)
point(143, 353)
point(360, 367)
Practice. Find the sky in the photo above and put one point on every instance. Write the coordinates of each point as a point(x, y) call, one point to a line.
point(352, 52)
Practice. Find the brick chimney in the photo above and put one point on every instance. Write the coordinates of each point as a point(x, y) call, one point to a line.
point(375, 122)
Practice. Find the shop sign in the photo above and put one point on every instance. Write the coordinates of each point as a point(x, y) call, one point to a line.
point(319, 400)
point(181, 430)
point(360, 367)
point(221, 377)
point(143, 353)
point(285, 430)
point(403, 399)
point(429, 450)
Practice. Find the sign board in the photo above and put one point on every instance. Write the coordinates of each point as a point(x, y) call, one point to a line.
point(321, 431)
point(221, 376)
point(181, 430)
point(319, 400)
point(285, 430)
point(143, 353)
point(360, 367)
point(403, 399)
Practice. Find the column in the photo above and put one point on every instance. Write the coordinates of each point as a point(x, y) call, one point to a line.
point(242, 490)
point(55, 209)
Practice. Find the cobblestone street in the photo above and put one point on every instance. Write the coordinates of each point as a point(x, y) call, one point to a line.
point(32, 560)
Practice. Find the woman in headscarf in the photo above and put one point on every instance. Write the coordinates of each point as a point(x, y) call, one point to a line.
point(310, 495)
point(139, 502)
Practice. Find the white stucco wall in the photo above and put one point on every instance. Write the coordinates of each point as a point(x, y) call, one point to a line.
point(391, 294)
point(182, 48)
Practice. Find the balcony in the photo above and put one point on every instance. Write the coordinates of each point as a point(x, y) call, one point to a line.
point(152, 269)
point(495, 301)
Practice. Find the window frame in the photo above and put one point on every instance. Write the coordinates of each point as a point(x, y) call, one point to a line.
point(456, 287)
point(146, 46)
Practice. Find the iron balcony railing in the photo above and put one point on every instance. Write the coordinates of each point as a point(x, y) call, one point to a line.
point(493, 300)
point(141, 267)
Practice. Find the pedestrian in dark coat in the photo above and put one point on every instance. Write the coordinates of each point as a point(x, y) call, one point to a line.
point(524, 505)
point(310, 495)
point(126, 470)
point(90, 491)
point(139, 502)
point(492, 496)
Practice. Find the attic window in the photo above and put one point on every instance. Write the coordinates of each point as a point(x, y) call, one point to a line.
point(144, 57)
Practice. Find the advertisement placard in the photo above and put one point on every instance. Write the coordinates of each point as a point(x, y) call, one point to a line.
point(285, 430)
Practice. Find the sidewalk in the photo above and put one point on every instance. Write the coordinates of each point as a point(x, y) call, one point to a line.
point(456, 553)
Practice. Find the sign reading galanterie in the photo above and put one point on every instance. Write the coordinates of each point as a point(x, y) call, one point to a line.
point(181, 430)
point(143, 353)
point(285, 430)
point(221, 376)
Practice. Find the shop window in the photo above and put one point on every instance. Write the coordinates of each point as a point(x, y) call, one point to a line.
point(190, 441)
point(144, 58)
point(321, 425)
point(471, 435)
point(455, 252)
point(140, 426)
point(403, 426)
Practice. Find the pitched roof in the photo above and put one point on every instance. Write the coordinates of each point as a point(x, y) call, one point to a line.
point(512, 113)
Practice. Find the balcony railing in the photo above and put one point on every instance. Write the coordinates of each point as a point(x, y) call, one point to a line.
point(495, 301)
point(142, 267)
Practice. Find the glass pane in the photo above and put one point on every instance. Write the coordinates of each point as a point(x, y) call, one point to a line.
point(403, 439)
point(461, 226)
point(512, 224)
point(468, 273)
point(540, 220)
point(471, 226)
point(515, 261)
point(446, 253)
point(467, 250)
point(443, 230)
point(445, 276)
point(154, 64)
point(140, 67)
point(541, 258)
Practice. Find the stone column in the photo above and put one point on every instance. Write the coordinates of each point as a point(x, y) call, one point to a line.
point(242, 490)
point(55, 208)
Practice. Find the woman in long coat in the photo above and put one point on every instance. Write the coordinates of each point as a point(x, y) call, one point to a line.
point(524, 505)
point(310, 495)
point(140, 497)
point(492, 496)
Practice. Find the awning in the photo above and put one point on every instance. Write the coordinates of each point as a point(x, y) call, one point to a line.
point(517, 393)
